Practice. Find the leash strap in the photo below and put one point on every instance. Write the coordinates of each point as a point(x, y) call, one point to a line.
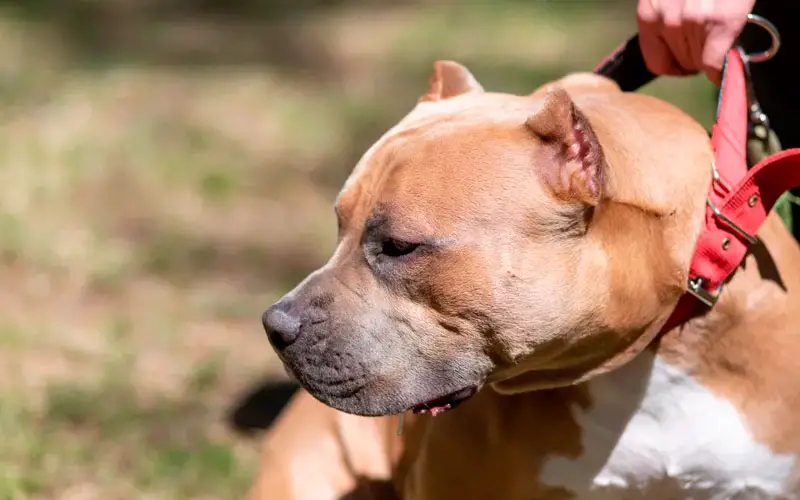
point(626, 66)
point(739, 200)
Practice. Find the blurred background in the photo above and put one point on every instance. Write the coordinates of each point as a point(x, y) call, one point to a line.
point(167, 170)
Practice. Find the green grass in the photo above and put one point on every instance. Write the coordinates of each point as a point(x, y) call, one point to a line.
point(168, 171)
point(136, 445)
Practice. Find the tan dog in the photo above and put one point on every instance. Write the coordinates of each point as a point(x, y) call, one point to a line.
point(533, 247)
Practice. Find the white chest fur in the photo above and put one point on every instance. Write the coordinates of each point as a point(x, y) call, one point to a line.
point(655, 433)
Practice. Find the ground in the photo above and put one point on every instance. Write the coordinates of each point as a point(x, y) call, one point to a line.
point(167, 169)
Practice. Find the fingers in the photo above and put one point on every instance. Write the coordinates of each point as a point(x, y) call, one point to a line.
point(680, 37)
point(695, 36)
point(720, 39)
point(709, 48)
point(658, 55)
point(713, 57)
point(675, 32)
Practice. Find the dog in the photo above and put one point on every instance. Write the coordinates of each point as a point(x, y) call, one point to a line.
point(516, 257)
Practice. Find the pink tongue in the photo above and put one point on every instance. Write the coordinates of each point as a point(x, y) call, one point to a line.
point(439, 409)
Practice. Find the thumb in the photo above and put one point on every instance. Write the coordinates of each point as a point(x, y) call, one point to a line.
point(717, 45)
point(655, 50)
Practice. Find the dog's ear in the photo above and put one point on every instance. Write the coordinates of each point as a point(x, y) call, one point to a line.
point(582, 82)
point(450, 79)
point(574, 166)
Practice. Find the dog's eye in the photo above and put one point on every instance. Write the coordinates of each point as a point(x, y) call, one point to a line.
point(397, 248)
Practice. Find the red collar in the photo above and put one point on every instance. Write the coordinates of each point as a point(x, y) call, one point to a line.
point(739, 199)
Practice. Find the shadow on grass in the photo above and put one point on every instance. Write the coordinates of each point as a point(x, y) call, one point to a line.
point(213, 32)
point(256, 409)
point(188, 32)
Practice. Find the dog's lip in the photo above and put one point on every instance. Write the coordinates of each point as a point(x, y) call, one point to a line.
point(445, 403)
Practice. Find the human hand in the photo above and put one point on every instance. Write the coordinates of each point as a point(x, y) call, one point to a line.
point(682, 37)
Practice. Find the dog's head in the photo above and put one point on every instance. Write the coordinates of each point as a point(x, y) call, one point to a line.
point(486, 238)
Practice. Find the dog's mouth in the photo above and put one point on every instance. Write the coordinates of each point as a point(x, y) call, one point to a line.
point(445, 403)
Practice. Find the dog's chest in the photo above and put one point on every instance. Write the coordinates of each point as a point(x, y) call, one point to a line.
point(652, 432)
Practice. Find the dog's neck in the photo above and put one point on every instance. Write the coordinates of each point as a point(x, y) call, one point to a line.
point(744, 348)
point(745, 332)
point(713, 399)
point(646, 179)
point(645, 231)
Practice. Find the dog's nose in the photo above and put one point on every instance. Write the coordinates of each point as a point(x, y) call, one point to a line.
point(281, 324)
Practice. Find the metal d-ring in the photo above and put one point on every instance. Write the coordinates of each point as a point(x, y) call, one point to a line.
point(770, 28)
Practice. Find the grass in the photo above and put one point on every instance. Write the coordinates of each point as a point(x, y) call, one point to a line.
point(164, 444)
point(167, 170)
